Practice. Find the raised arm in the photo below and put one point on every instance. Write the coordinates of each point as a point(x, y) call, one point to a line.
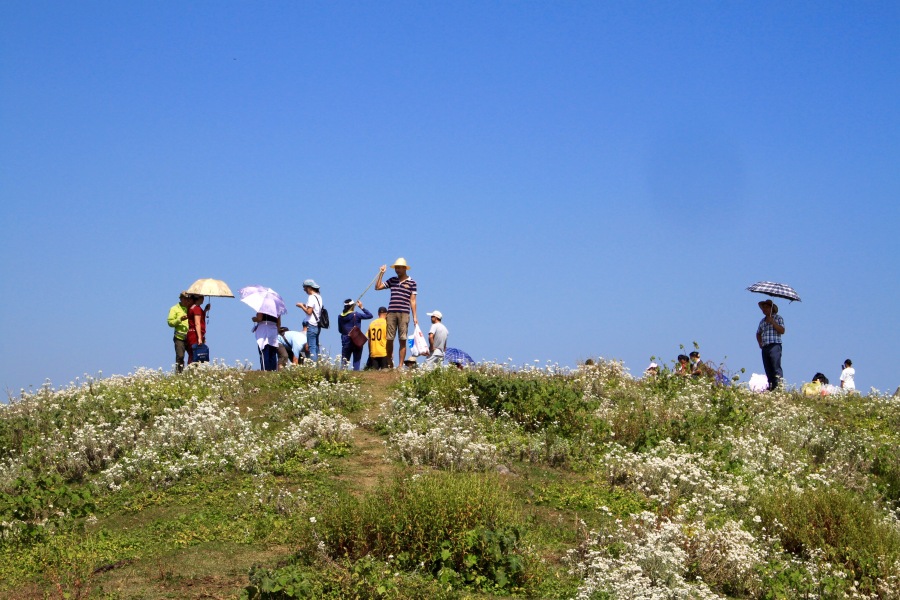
point(378, 284)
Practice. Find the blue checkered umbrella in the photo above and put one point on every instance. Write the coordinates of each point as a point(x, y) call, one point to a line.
point(452, 355)
point(776, 290)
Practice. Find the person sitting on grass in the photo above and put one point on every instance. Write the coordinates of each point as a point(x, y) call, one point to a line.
point(697, 366)
point(684, 365)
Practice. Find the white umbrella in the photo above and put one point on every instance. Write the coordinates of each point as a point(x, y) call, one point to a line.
point(210, 288)
point(263, 300)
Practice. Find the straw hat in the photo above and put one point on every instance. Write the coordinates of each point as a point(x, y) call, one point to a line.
point(401, 262)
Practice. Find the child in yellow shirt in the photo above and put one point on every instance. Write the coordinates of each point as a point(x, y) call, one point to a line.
point(378, 341)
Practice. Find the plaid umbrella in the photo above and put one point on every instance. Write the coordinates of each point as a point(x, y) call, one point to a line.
point(776, 290)
point(452, 355)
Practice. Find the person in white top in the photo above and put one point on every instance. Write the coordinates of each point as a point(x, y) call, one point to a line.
point(267, 339)
point(313, 308)
point(437, 340)
point(847, 374)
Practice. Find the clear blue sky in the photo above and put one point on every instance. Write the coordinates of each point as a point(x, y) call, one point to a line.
point(566, 179)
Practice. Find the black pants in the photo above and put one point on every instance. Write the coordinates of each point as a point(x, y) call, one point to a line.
point(180, 346)
point(379, 362)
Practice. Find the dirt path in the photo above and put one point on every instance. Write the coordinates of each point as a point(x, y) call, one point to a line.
point(363, 468)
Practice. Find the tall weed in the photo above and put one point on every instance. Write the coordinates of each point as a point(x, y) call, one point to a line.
point(449, 524)
point(849, 530)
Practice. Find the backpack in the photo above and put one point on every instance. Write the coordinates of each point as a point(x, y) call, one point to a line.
point(324, 323)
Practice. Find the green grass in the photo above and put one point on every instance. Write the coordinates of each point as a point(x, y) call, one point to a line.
point(388, 531)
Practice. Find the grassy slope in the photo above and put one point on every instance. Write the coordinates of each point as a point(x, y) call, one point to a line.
point(198, 538)
point(184, 542)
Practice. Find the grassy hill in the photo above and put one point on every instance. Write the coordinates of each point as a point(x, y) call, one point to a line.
point(319, 483)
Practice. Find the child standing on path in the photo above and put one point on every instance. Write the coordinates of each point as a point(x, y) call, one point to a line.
point(378, 341)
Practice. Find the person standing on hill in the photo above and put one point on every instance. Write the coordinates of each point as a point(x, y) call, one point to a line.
point(178, 320)
point(313, 308)
point(266, 331)
point(847, 383)
point(403, 300)
point(196, 325)
point(768, 336)
point(437, 340)
point(378, 341)
point(349, 319)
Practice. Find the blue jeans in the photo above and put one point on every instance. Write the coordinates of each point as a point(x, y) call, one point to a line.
point(268, 358)
point(771, 356)
point(312, 338)
point(348, 349)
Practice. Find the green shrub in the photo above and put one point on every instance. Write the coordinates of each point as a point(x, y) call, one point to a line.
point(886, 467)
point(536, 401)
point(296, 376)
point(848, 529)
point(457, 526)
point(582, 496)
point(366, 579)
point(37, 507)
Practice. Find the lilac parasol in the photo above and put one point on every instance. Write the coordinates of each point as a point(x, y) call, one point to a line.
point(263, 300)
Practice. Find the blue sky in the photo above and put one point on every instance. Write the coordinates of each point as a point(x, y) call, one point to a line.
point(566, 179)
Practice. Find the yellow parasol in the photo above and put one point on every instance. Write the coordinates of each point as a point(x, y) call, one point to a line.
point(210, 287)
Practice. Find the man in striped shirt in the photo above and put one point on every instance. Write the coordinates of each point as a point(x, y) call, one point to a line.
point(403, 300)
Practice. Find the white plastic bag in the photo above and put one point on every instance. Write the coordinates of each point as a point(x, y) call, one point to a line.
point(420, 344)
point(759, 383)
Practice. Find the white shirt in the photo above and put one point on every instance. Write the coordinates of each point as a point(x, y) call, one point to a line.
point(847, 377)
point(440, 338)
point(315, 303)
point(267, 333)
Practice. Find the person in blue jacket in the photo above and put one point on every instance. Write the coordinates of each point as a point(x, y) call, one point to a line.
point(349, 319)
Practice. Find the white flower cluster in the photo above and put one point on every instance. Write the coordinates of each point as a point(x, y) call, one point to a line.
point(321, 396)
point(269, 497)
point(154, 427)
point(671, 476)
point(332, 429)
point(649, 557)
point(86, 427)
point(425, 434)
